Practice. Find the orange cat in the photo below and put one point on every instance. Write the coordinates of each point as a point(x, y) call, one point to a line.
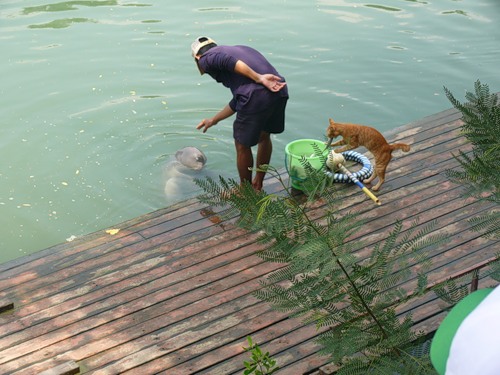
point(354, 135)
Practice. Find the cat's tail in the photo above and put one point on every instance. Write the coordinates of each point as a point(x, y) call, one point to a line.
point(400, 146)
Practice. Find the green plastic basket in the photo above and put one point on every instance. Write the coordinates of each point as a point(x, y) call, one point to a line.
point(294, 151)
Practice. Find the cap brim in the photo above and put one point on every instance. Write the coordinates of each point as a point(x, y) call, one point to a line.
point(196, 46)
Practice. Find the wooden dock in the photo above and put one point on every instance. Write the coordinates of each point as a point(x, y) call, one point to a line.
point(171, 291)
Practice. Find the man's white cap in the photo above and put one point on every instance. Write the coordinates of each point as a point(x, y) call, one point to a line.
point(199, 43)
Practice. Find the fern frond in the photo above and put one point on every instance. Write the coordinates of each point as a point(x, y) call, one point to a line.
point(453, 290)
point(277, 253)
point(278, 276)
point(488, 224)
point(280, 297)
point(214, 191)
point(479, 170)
point(341, 228)
point(481, 115)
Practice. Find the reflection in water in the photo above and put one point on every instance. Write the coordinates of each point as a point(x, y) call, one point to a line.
point(383, 7)
point(213, 9)
point(67, 5)
point(61, 23)
point(331, 7)
point(461, 12)
point(73, 5)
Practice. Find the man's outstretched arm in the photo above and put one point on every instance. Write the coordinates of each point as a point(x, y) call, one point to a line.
point(223, 114)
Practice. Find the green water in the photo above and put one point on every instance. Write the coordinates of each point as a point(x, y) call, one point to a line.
point(98, 95)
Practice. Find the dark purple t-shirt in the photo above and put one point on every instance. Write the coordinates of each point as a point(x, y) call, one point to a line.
point(248, 96)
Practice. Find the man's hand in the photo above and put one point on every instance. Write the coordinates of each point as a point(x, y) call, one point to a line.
point(271, 82)
point(205, 124)
point(223, 114)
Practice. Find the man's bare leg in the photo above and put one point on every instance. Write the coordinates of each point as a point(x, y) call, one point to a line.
point(264, 151)
point(244, 161)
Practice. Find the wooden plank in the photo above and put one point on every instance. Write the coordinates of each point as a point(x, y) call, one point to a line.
point(282, 335)
point(73, 281)
point(30, 272)
point(258, 316)
point(154, 330)
point(67, 368)
point(220, 303)
point(280, 346)
point(124, 321)
point(119, 303)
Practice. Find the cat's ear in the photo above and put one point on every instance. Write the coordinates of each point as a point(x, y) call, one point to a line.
point(331, 121)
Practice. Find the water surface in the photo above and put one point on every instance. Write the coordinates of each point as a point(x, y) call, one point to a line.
point(98, 95)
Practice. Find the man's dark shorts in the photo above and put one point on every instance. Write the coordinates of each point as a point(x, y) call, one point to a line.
point(247, 126)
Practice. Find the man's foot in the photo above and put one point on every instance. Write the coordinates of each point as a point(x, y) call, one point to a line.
point(257, 188)
point(257, 184)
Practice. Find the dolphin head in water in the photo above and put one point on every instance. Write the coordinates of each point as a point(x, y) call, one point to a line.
point(191, 157)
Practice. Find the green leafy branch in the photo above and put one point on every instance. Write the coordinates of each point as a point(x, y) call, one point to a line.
point(260, 363)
